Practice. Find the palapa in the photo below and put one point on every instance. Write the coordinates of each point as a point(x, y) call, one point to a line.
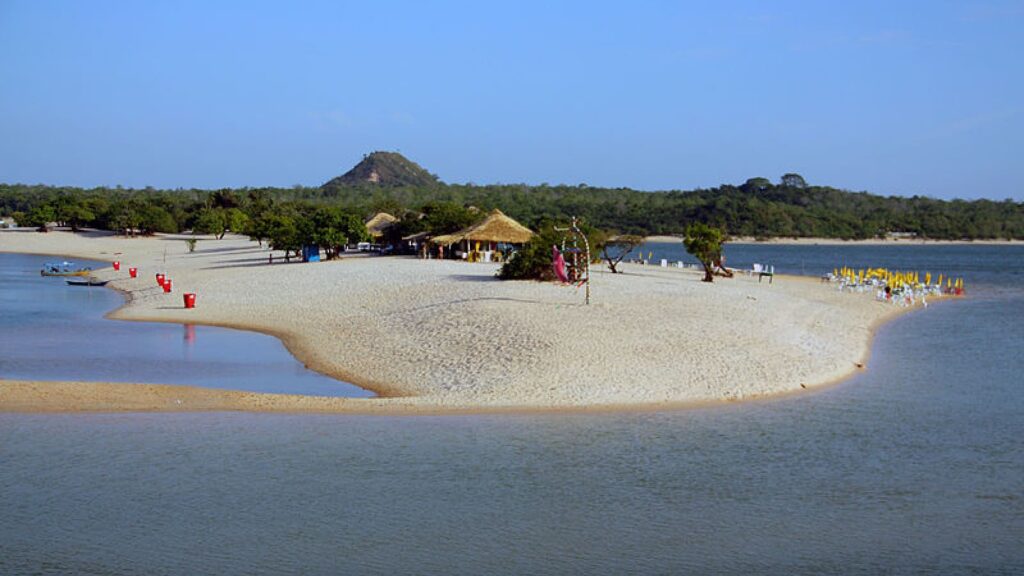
point(495, 228)
point(380, 222)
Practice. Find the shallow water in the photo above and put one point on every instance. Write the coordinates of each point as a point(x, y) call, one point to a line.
point(989, 266)
point(915, 466)
point(52, 331)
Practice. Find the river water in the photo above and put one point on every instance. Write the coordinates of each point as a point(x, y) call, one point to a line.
point(52, 331)
point(915, 466)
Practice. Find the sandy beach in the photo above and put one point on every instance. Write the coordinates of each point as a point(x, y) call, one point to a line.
point(440, 336)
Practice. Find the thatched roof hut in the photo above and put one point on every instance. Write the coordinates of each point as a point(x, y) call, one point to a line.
point(495, 228)
point(380, 222)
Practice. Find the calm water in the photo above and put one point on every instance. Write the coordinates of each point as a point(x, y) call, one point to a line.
point(916, 466)
point(52, 331)
point(992, 268)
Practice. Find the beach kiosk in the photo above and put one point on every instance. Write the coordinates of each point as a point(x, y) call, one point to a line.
point(487, 240)
point(378, 227)
point(379, 224)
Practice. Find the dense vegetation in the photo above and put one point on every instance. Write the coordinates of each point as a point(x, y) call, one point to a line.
point(758, 208)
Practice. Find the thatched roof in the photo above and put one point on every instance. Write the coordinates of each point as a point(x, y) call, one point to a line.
point(495, 228)
point(446, 239)
point(379, 223)
point(418, 237)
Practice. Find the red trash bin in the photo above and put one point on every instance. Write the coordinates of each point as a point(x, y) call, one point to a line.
point(117, 265)
point(133, 272)
point(167, 284)
point(190, 300)
point(160, 279)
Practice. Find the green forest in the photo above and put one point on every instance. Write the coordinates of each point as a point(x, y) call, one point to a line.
point(757, 208)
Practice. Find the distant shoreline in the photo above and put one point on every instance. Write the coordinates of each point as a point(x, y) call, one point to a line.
point(841, 242)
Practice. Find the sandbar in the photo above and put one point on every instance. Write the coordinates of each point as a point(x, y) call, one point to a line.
point(433, 336)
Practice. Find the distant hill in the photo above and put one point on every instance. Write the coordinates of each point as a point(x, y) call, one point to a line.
point(385, 169)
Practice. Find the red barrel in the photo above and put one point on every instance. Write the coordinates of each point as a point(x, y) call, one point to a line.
point(160, 279)
point(133, 272)
point(167, 284)
point(190, 300)
point(117, 265)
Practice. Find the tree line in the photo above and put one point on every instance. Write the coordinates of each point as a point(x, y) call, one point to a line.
point(757, 208)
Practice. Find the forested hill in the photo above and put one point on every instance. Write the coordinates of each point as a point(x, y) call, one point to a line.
point(384, 169)
point(759, 208)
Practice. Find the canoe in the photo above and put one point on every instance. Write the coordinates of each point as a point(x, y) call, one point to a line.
point(65, 273)
point(89, 282)
point(63, 269)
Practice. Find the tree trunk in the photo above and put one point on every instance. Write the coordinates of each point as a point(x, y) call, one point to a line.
point(611, 263)
point(708, 275)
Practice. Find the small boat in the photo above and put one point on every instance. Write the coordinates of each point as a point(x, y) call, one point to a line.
point(64, 269)
point(87, 282)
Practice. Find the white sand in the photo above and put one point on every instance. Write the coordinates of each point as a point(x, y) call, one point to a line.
point(446, 335)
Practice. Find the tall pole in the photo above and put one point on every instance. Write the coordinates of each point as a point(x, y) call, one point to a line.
point(576, 235)
point(586, 245)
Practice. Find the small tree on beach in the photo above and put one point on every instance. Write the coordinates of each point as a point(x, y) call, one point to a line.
point(125, 216)
point(333, 228)
point(623, 245)
point(220, 221)
point(283, 233)
point(209, 221)
point(39, 217)
point(705, 244)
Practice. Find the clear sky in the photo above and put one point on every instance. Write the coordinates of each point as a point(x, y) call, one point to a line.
point(890, 97)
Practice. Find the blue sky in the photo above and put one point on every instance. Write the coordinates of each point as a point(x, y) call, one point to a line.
point(890, 97)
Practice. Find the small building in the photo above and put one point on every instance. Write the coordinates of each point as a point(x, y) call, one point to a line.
point(379, 224)
point(901, 235)
point(416, 243)
point(487, 241)
point(311, 253)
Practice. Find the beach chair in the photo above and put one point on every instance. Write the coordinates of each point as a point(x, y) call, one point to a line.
point(768, 271)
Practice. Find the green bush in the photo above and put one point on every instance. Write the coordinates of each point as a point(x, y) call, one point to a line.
point(533, 261)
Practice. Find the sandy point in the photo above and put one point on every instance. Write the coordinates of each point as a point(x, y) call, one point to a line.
point(446, 336)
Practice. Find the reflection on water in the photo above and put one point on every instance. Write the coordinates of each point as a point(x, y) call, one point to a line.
point(916, 466)
point(51, 331)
